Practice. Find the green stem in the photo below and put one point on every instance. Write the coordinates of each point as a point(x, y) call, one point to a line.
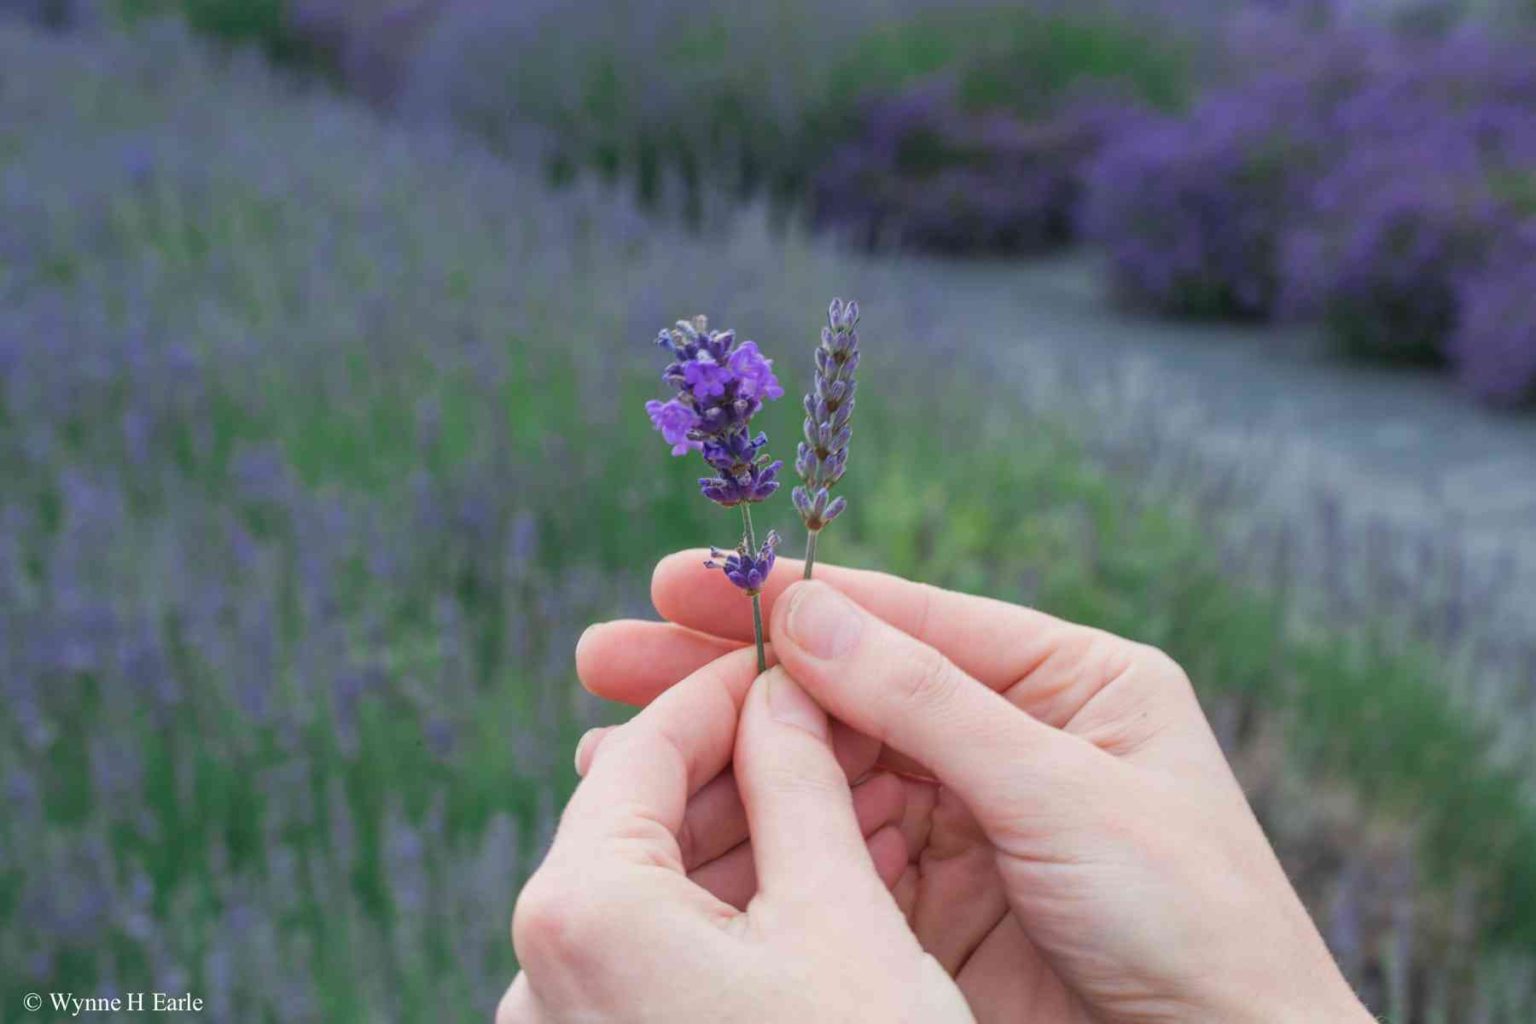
point(757, 601)
point(810, 551)
point(757, 629)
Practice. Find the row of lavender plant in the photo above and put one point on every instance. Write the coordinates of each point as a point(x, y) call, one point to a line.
point(1378, 180)
point(1373, 179)
point(314, 469)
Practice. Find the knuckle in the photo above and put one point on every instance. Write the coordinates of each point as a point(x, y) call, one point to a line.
point(930, 680)
point(555, 924)
point(801, 781)
point(1161, 665)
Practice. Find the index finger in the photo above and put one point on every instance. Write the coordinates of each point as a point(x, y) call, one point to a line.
point(1001, 644)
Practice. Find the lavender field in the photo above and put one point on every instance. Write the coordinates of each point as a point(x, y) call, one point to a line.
point(321, 440)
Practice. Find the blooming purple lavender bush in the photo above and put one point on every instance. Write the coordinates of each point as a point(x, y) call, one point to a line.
point(1353, 173)
point(1388, 233)
point(1415, 199)
point(1190, 209)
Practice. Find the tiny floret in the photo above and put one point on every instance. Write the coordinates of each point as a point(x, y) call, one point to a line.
point(755, 373)
point(677, 422)
point(746, 569)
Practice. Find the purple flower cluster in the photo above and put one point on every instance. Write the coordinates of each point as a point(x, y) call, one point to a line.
point(1357, 175)
point(1386, 236)
point(1412, 203)
point(745, 568)
point(720, 386)
point(823, 455)
point(1190, 209)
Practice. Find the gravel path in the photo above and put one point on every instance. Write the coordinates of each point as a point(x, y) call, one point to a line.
point(1408, 443)
point(1388, 487)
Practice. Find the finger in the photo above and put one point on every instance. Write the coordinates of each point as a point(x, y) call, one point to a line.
point(918, 800)
point(963, 902)
point(877, 804)
point(904, 892)
point(606, 663)
point(805, 838)
point(716, 820)
point(586, 747)
point(640, 777)
point(633, 661)
point(1053, 667)
point(888, 852)
point(1001, 761)
point(714, 823)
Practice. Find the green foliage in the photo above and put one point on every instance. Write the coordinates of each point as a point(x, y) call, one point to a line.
point(1016, 58)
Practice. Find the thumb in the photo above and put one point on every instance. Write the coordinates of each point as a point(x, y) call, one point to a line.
point(1003, 763)
point(806, 839)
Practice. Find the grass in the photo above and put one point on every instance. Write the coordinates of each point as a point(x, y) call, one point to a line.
point(394, 461)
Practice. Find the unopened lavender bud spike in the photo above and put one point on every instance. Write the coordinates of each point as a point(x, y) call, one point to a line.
point(823, 456)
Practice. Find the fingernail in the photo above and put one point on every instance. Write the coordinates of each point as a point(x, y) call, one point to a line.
point(790, 705)
point(823, 622)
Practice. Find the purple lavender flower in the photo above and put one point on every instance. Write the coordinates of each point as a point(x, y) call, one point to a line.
point(720, 386)
point(743, 567)
point(823, 455)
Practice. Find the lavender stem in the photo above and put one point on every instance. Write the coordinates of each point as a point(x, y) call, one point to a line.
point(757, 600)
point(810, 551)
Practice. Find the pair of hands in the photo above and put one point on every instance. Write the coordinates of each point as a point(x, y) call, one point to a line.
point(1040, 826)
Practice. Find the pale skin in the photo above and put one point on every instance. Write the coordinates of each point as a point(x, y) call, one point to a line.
point(1041, 827)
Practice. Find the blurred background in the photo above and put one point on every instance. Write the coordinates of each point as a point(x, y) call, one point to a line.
point(324, 338)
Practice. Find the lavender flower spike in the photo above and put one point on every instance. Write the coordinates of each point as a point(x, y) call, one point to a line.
point(719, 386)
point(823, 455)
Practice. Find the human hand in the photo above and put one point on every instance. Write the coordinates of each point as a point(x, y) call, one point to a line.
point(611, 927)
point(1086, 852)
